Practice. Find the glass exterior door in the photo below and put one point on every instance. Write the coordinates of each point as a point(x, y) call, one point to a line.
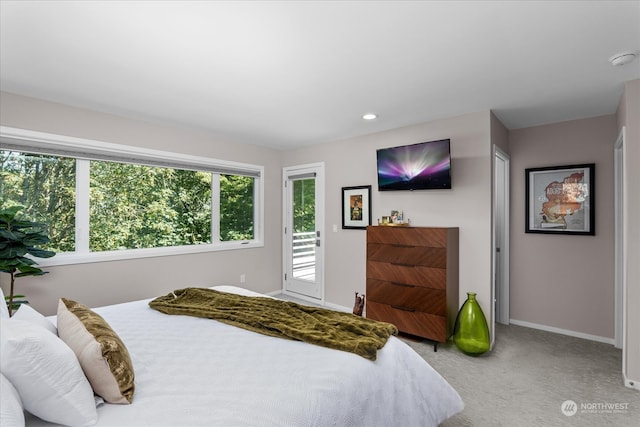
point(302, 234)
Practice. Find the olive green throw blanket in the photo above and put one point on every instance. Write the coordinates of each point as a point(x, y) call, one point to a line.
point(284, 319)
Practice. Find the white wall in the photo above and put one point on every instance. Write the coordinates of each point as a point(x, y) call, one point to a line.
point(467, 205)
point(105, 283)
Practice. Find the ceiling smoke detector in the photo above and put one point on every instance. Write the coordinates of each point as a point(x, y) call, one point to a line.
point(622, 58)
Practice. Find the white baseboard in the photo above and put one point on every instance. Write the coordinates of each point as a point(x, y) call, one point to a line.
point(337, 307)
point(312, 300)
point(273, 293)
point(563, 331)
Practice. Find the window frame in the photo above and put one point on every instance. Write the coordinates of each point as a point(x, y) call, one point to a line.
point(85, 150)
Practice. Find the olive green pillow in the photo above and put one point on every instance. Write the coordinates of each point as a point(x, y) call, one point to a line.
point(101, 353)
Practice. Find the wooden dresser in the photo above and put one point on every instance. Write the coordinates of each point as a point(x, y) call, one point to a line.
point(412, 279)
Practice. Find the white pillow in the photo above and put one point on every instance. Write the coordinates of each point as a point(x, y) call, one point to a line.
point(4, 311)
point(11, 412)
point(46, 374)
point(29, 314)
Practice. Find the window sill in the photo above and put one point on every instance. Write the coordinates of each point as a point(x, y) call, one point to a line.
point(71, 258)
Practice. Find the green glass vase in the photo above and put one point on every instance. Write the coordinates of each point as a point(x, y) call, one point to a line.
point(471, 333)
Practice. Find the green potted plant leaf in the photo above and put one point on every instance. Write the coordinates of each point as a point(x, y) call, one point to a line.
point(18, 238)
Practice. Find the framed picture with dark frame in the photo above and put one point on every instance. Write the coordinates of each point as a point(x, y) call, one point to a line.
point(560, 200)
point(356, 207)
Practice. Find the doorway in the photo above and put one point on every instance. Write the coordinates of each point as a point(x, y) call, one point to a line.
point(303, 234)
point(619, 233)
point(500, 306)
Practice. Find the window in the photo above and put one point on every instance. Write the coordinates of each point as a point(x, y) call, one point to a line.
point(134, 206)
point(103, 201)
point(45, 186)
point(236, 205)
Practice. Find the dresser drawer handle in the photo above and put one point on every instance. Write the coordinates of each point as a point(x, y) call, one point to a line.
point(397, 245)
point(397, 307)
point(402, 284)
point(402, 265)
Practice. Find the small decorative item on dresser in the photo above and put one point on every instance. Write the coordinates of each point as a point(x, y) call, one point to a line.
point(471, 333)
point(359, 305)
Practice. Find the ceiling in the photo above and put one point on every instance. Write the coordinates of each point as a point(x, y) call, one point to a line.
point(290, 74)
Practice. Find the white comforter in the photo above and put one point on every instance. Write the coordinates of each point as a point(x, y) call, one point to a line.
point(199, 372)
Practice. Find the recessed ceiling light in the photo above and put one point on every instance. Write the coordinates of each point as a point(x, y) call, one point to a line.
point(622, 58)
point(369, 116)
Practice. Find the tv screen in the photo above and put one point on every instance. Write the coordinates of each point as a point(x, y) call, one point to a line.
point(422, 166)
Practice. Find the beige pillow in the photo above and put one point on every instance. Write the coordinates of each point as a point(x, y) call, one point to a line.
point(102, 354)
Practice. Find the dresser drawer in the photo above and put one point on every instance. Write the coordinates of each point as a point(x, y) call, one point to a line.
point(413, 236)
point(407, 255)
point(412, 297)
point(412, 322)
point(428, 277)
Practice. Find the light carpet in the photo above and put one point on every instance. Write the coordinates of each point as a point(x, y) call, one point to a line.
point(527, 377)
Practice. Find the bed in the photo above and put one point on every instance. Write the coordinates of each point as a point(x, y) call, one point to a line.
point(191, 371)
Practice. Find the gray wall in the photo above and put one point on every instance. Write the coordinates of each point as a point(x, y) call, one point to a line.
point(564, 281)
point(467, 205)
point(103, 283)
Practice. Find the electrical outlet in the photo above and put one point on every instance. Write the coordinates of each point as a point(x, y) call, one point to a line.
point(243, 278)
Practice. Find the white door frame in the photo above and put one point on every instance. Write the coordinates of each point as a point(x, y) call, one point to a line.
point(318, 169)
point(620, 267)
point(501, 203)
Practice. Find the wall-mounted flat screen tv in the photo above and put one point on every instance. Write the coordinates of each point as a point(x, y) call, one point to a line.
point(422, 166)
